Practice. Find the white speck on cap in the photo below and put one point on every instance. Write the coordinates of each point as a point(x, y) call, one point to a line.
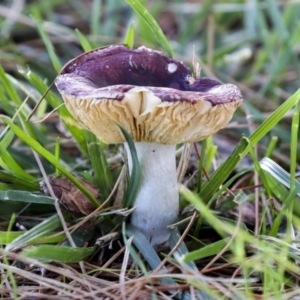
point(171, 67)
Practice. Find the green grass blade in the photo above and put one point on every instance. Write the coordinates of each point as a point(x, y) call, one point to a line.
point(201, 165)
point(294, 146)
point(11, 91)
point(7, 237)
point(99, 164)
point(50, 49)
point(25, 196)
point(181, 251)
point(284, 210)
point(22, 183)
point(95, 18)
point(85, 44)
point(278, 173)
point(57, 155)
point(10, 164)
point(222, 173)
point(75, 129)
point(129, 37)
point(45, 228)
point(206, 251)
point(260, 172)
point(271, 146)
point(276, 116)
point(58, 253)
point(48, 156)
point(6, 141)
point(144, 14)
point(135, 172)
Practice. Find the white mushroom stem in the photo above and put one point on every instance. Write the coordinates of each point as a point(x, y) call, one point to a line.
point(157, 199)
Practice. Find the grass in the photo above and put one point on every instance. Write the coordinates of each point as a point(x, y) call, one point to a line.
point(238, 234)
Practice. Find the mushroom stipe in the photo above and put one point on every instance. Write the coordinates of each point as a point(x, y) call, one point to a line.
point(158, 102)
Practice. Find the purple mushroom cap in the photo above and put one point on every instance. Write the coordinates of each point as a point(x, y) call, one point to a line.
point(152, 96)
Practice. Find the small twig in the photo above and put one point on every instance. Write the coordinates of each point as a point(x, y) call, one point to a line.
point(49, 114)
point(40, 101)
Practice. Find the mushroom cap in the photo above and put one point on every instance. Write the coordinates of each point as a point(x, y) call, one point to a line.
point(153, 97)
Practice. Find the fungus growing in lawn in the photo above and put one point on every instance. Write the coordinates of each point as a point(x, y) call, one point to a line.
point(158, 102)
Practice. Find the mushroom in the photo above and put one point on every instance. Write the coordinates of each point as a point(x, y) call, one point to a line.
point(158, 102)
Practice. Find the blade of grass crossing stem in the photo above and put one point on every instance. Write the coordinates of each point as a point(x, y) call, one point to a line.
point(129, 37)
point(58, 253)
point(99, 164)
point(43, 229)
point(48, 156)
point(152, 24)
point(85, 44)
point(135, 172)
point(50, 49)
